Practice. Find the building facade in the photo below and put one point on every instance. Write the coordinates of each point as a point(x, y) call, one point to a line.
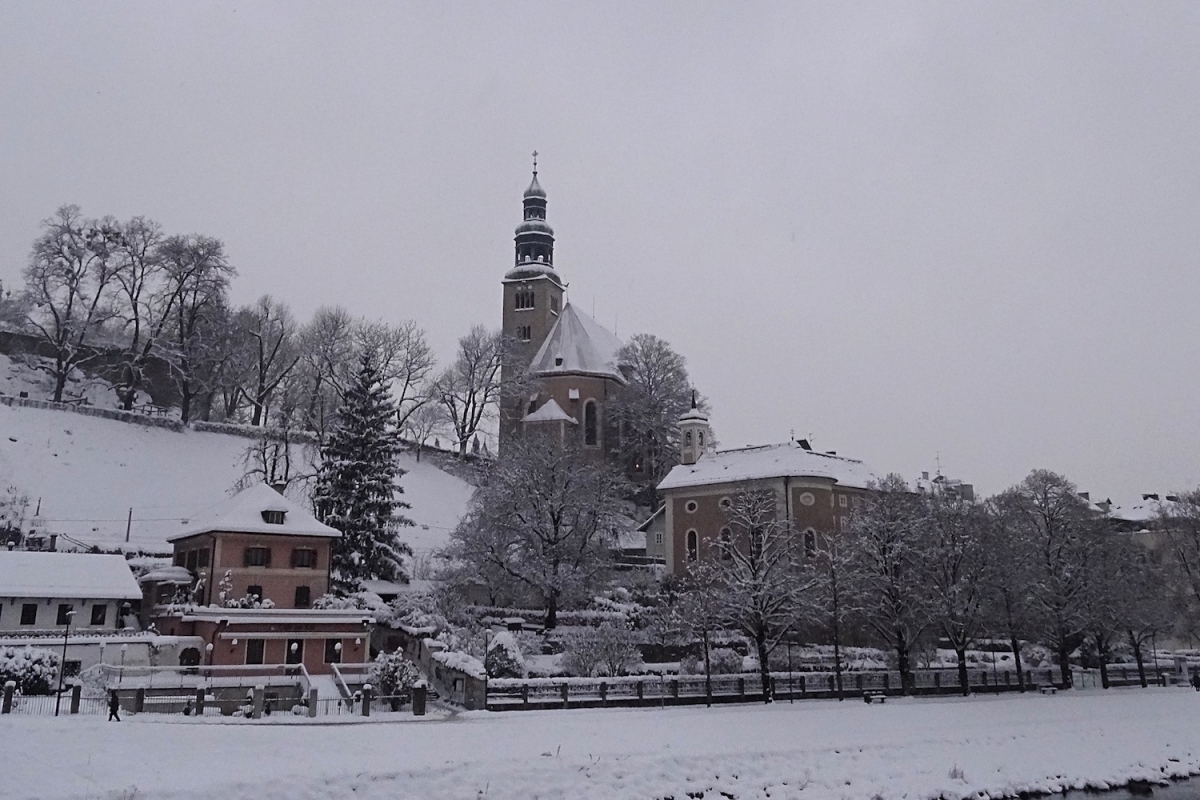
point(566, 361)
point(814, 493)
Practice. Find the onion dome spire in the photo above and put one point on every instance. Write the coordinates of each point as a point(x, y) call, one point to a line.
point(535, 237)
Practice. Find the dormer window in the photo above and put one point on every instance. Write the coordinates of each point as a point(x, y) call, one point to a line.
point(558, 361)
point(273, 517)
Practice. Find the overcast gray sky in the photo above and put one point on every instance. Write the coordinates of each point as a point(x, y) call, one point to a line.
point(909, 230)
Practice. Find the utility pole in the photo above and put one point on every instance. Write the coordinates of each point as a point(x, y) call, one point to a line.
point(128, 524)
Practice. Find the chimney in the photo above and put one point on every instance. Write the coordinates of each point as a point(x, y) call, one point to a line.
point(54, 541)
point(279, 486)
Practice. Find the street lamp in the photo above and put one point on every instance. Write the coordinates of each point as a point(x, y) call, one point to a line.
point(62, 667)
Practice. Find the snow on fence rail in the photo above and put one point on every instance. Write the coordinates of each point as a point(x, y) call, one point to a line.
point(515, 693)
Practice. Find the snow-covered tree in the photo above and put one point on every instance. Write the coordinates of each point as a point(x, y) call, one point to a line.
point(607, 649)
point(357, 485)
point(504, 659)
point(698, 608)
point(955, 563)
point(69, 286)
point(831, 599)
point(760, 571)
point(198, 272)
point(1009, 602)
point(393, 674)
point(889, 586)
point(1179, 522)
point(648, 407)
point(31, 668)
point(1046, 513)
point(545, 516)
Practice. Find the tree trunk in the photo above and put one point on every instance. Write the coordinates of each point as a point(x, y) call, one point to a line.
point(1102, 653)
point(707, 673)
point(1015, 644)
point(902, 661)
point(185, 401)
point(1136, 644)
point(964, 682)
point(1064, 665)
point(60, 383)
point(764, 667)
point(551, 611)
point(837, 654)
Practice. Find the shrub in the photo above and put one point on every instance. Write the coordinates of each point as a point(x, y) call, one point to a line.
point(393, 674)
point(722, 661)
point(504, 659)
point(32, 669)
point(607, 649)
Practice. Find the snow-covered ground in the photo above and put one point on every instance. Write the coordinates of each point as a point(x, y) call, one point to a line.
point(89, 471)
point(808, 751)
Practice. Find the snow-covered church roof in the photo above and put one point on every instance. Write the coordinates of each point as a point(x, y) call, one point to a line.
point(577, 344)
point(66, 576)
point(550, 411)
point(789, 459)
point(243, 513)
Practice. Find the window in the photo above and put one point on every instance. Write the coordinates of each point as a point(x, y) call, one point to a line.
point(687, 439)
point(99, 613)
point(333, 651)
point(254, 651)
point(180, 558)
point(304, 557)
point(725, 503)
point(726, 544)
point(842, 500)
point(71, 669)
point(553, 304)
point(203, 559)
point(254, 591)
point(845, 523)
point(29, 614)
point(810, 544)
point(693, 546)
point(700, 438)
point(257, 557)
point(64, 614)
point(756, 542)
point(273, 517)
point(192, 556)
point(524, 332)
point(807, 499)
point(658, 539)
point(523, 299)
point(303, 597)
point(590, 435)
point(690, 506)
point(295, 651)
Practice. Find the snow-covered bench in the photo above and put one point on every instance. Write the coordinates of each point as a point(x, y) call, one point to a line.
point(1048, 689)
point(874, 697)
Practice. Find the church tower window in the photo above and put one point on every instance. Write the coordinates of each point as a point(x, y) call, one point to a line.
point(693, 546)
point(590, 435)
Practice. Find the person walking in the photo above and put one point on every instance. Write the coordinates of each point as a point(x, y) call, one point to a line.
point(114, 706)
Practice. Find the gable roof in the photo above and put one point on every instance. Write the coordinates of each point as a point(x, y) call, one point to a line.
point(26, 573)
point(579, 345)
point(789, 459)
point(550, 411)
point(243, 513)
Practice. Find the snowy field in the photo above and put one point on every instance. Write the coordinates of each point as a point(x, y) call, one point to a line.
point(814, 750)
point(90, 471)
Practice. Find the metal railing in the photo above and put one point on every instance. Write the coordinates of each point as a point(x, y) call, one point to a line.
point(140, 677)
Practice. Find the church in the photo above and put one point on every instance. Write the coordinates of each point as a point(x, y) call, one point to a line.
point(570, 359)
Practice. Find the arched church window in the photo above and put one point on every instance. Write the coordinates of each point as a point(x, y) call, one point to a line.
point(687, 439)
point(700, 438)
point(590, 435)
point(693, 546)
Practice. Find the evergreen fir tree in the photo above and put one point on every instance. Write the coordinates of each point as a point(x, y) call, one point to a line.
point(357, 490)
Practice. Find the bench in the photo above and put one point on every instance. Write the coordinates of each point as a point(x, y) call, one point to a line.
point(1048, 689)
point(874, 697)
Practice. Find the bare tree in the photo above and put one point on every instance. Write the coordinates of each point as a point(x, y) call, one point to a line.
point(1009, 600)
point(470, 389)
point(1045, 511)
point(888, 580)
point(423, 422)
point(699, 609)
point(831, 598)
point(327, 358)
point(657, 392)
point(955, 562)
point(68, 285)
point(757, 566)
point(1179, 523)
point(545, 517)
point(405, 360)
point(199, 274)
point(270, 330)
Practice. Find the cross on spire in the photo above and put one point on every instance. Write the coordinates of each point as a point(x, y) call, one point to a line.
point(535, 155)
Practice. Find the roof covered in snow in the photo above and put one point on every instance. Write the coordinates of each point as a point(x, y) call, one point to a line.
point(66, 575)
point(789, 459)
point(1146, 510)
point(550, 411)
point(577, 344)
point(243, 513)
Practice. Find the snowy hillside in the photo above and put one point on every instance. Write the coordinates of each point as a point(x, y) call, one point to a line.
point(88, 472)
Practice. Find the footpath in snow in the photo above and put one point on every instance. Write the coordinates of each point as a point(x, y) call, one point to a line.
point(946, 747)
